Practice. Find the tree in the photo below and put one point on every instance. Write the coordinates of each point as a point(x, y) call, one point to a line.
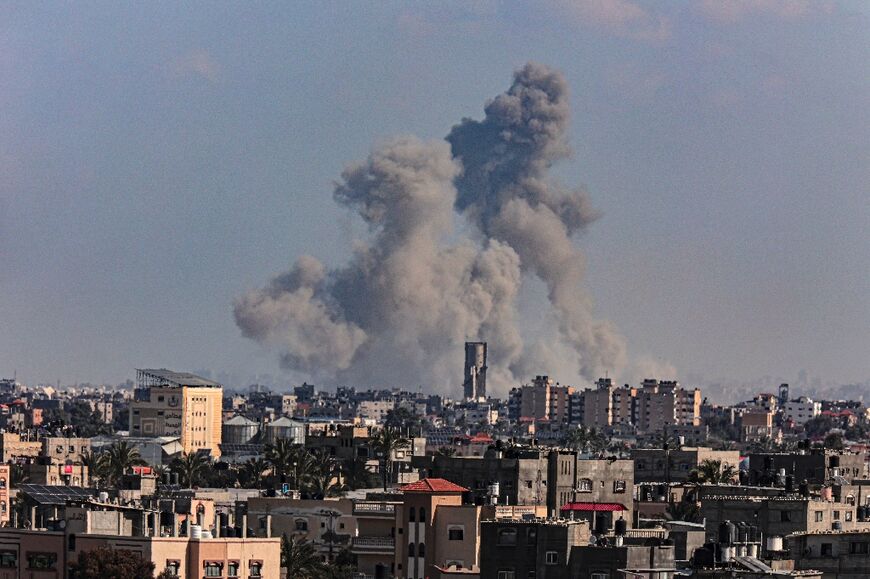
point(300, 559)
point(98, 466)
point(683, 511)
point(834, 441)
point(384, 444)
point(323, 472)
point(104, 562)
point(291, 463)
point(252, 473)
point(713, 472)
point(357, 475)
point(190, 467)
point(120, 458)
point(447, 451)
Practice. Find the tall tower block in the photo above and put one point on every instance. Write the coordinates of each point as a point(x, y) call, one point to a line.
point(475, 370)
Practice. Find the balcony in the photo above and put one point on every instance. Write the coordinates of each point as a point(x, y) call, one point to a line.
point(374, 509)
point(373, 545)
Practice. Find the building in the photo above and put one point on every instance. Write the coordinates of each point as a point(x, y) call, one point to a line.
point(239, 430)
point(666, 403)
point(179, 404)
point(533, 548)
point(616, 561)
point(669, 466)
point(545, 401)
point(474, 373)
point(375, 410)
point(837, 554)
point(756, 424)
point(814, 467)
point(608, 404)
point(779, 516)
point(802, 410)
point(284, 427)
point(14, 448)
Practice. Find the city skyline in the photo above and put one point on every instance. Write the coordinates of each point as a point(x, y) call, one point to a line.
point(156, 166)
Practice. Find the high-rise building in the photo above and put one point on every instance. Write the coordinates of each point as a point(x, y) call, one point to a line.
point(474, 376)
point(179, 404)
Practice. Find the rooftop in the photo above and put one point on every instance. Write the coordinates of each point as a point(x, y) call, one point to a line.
point(164, 377)
point(433, 485)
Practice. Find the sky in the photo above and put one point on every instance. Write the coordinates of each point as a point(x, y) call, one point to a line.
point(159, 160)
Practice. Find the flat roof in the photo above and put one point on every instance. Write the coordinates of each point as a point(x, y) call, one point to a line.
point(177, 378)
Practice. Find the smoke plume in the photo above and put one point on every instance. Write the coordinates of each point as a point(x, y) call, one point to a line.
point(398, 312)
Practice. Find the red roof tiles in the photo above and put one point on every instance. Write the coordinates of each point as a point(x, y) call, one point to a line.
point(433, 485)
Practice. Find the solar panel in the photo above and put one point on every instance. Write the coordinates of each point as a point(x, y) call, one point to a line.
point(56, 495)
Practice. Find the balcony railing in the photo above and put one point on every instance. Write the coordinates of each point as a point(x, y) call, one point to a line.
point(373, 544)
point(374, 508)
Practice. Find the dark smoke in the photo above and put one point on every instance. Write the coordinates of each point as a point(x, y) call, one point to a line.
point(398, 313)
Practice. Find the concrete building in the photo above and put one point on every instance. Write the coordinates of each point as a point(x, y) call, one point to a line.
point(545, 401)
point(608, 404)
point(659, 465)
point(635, 561)
point(815, 467)
point(474, 373)
point(178, 404)
point(666, 403)
point(779, 516)
point(837, 554)
point(536, 548)
point(13, 447)
point(802, 410)
point(756, 424)
point(375, 410)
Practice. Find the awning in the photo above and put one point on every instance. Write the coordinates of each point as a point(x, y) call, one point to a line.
point(594, 507)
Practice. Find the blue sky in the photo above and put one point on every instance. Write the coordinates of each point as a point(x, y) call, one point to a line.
point(158, 160)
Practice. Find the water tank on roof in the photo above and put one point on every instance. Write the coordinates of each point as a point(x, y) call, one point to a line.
point(195, 532)
point(621, 526)
point(727, 532)
point(774, 543)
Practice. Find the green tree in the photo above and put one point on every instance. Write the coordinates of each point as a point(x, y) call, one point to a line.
point(105, 562)
point(300, 559)
point(384, 444)
point(120, 458)
point(321, 479)
point(252, 473)
point(98, 466)
point(683, 511)
point(190, 467)
point(291, 463)
point(713, 472)
point(834, 441)
point(357, 475)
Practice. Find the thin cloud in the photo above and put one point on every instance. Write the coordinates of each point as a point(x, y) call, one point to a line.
point(622, 18)
point(198, 63)
point(732, 11)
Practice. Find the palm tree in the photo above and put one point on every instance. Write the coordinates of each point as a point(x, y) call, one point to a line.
point(300, 559)
point(384, 444)
point(683, 511)
point(447, 451)
point(97, 465)
point(120, 458)
point(190, 467)
point(252, 472)
point(323, 473)
point(713, 472)
point(356, 474)
point(284, 456)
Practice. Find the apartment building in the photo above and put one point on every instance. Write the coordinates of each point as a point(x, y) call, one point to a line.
point(659, 465)
point(802, 410)
point(666, 403)
point(179, 404)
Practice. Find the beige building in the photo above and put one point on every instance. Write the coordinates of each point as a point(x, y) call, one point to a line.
point(666, 403)
point(545, 400)
point(12, 447)
point(178, 404)
point(608, 404)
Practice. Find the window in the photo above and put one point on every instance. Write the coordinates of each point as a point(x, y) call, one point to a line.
point(848, 515)
point(422, 514)
point(505, 574)
point(836, 515)
point(859, 548)
point(619, 486)
point(552, 558)
point(233, 569)
point(785, 516)
point(256, 569)
point(8, 559)
point(174, 567)
point(827, 550)
point(820, 516)
point(411, 551)
point(584, 485)
point(411, 514)
point(71, 542)
point(213, 569)
point(532, 536)
point(455, 533)
point(600, 575)
point(301, 525)
point(507, 537)
point(421, 550)
point(43, 560)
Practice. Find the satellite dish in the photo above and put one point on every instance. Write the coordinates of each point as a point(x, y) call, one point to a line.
point(62, 525)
